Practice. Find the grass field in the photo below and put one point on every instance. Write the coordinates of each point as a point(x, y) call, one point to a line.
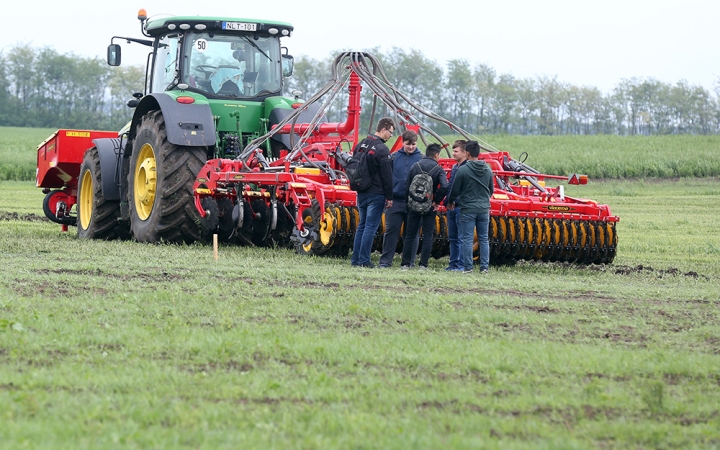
point(124, 345)
point(597, 156)
point(18, 151)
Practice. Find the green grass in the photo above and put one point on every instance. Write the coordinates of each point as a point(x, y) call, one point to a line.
point(596, 156)
point(609, 156)
point(18, 151)
point(120, 344)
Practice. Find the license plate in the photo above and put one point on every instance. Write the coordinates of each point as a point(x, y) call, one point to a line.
point(239, 26)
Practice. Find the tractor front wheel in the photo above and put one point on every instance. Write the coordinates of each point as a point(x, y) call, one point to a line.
point(97, 217)
point(160, 185)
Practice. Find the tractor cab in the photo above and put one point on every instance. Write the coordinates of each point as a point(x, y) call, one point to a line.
point(219, 58)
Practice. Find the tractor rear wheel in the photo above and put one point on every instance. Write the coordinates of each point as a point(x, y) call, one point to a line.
point(160, 185)
point(97, 217)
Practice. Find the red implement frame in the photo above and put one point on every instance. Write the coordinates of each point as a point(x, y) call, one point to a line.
point(59, 158)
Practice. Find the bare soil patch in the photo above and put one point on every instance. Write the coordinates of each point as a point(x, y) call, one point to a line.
point(5, 215)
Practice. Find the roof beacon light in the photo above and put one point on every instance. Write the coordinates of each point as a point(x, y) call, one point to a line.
point(200, 26)
point(184, 26)
point(285, 32)
point(142, 14)
point(273, 31)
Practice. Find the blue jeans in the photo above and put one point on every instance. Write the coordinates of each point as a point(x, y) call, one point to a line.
point(467, 225)
point(370, 207)
point(454, 236)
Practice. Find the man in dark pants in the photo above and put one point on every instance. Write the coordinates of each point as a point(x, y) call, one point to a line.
point(395, 216)
point(472, 189)
point(372, 201)
point(460, 155)
point(428, 164)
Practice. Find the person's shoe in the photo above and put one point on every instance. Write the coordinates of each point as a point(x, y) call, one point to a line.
point(449, 269)
point(483, 271)
point(404, 267)
point(384, 267)
point(368, 265)
point(467, 271)
point(422, 268)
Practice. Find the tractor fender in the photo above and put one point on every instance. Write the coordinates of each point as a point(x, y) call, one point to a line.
point(189, 125)
point(110, 151)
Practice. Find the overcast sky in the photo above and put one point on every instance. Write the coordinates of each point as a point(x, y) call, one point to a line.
point(585, 43)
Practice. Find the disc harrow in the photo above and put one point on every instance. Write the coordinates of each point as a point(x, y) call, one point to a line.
point(302, 198)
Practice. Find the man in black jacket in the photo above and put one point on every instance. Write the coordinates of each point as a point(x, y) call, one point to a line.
point(428, 164)
point(372, 201)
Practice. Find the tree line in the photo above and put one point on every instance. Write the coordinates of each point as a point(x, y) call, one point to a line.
point(41, 88)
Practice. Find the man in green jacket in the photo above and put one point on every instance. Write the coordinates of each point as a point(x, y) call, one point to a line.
point(471, 192)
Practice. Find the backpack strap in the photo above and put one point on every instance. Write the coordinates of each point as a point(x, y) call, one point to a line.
point(433, 170)
point(421, 168)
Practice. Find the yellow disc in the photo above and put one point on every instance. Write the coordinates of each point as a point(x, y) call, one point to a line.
point(328, 228)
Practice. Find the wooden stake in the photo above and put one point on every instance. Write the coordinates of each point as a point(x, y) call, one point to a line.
point(215, 247)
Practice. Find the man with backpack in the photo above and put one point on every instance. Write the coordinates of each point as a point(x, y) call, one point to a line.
point(471, 191)
point(396, 216)
point(374, 193)
point(426, 187)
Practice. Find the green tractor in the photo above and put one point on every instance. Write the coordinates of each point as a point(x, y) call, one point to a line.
point(212, 85)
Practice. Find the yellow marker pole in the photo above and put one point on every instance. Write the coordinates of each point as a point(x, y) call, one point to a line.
point(215, 247)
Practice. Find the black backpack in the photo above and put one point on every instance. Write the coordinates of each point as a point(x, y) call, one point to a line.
point(421, 191)
point(358, 168)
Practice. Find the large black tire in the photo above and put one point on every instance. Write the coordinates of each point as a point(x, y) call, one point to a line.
point(97, 217)
point(160, 185)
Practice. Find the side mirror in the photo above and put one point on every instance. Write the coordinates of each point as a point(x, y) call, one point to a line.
point(287, 65)
point(113, 55)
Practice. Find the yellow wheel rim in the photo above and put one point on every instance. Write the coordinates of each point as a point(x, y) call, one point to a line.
point(145, 184)
point(86, 199)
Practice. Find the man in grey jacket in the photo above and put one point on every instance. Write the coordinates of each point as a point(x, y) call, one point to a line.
point(471, 192)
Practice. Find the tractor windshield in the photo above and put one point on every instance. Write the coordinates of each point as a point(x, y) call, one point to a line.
point(231, 66)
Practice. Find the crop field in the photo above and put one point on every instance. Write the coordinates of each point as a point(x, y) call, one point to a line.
point(596, 156)
point(127, 345)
